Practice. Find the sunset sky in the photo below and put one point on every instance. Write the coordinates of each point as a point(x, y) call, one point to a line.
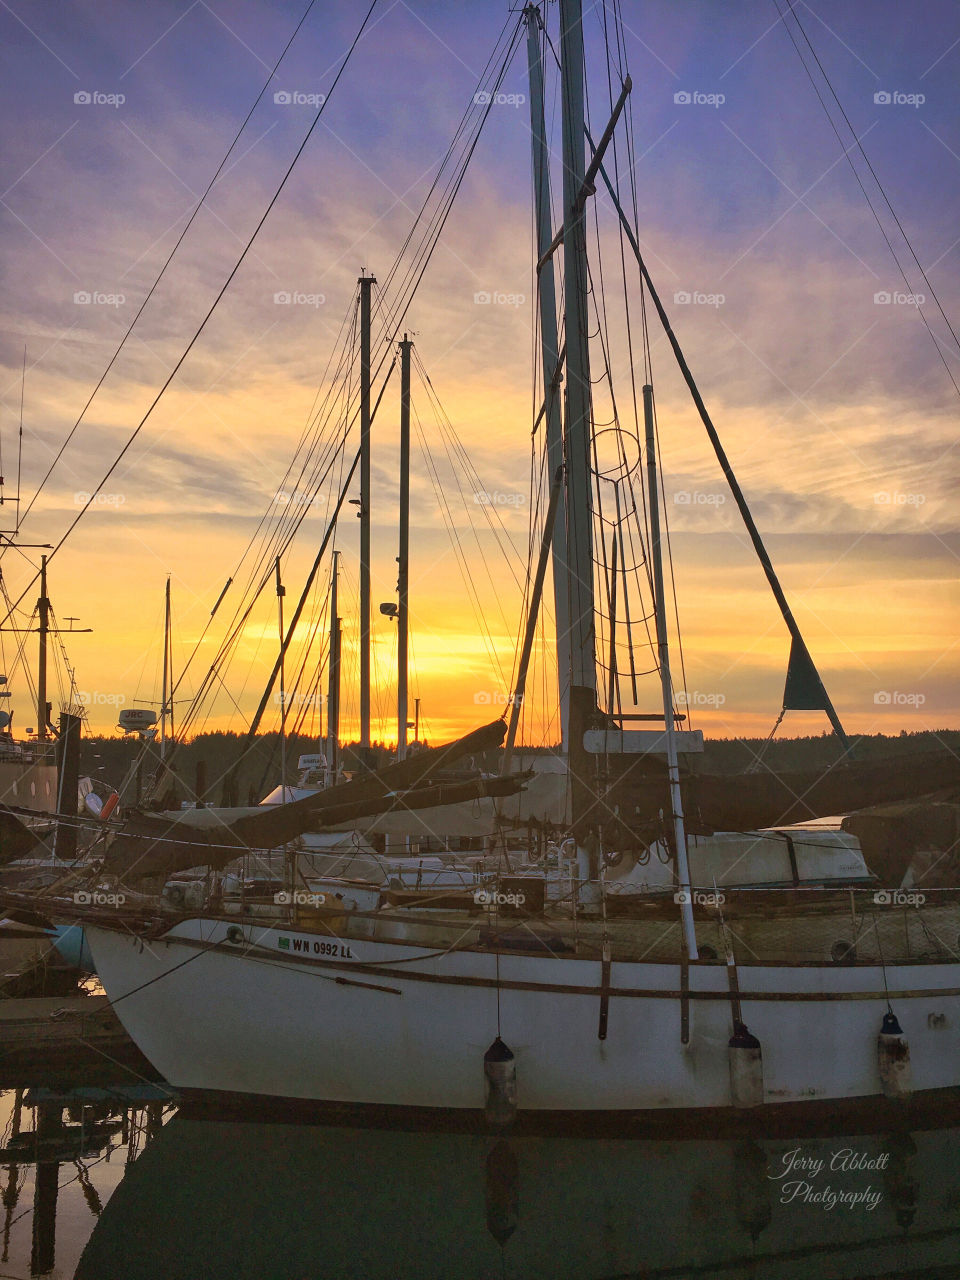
point(835, 408)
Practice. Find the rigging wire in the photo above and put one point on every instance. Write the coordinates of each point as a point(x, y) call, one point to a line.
point(176, 368)
point(393, 311)
point(873, 173)
point(169, 259)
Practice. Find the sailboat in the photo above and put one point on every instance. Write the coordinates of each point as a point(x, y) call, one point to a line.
point(754, 963)
point(39, 776)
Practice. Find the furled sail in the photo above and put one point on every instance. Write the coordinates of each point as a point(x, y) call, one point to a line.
point(154, 844)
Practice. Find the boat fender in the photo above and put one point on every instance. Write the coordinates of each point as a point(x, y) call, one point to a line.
point(500, 1076)
point(613, 859)
point(235, 934)
point(746, 1067)
point(893, 1058)
point(109, 805)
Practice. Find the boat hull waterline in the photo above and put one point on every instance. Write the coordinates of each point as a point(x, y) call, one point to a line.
point(288, 1015)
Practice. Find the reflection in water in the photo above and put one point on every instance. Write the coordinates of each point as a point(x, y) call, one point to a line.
point(54, 1145)
point(503, 1192)
point(49, 1133)
point(190, 1199)
point(216, 1199)
point(752, 1188)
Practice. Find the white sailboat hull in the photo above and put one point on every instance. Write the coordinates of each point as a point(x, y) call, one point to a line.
point(361, 1022)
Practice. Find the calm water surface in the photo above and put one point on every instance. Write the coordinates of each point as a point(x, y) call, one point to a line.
point(108, 1187)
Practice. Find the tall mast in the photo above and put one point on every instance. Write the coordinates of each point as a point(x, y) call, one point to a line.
point(281, 592)
point(583, 669)
point(404, 557)
point(366, 285)
point(43, 613)
point(663, 654)
point(333, 686)
point(167, 674)
point(550, 358)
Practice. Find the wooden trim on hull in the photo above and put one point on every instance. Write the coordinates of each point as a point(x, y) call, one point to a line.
point(826, 1118)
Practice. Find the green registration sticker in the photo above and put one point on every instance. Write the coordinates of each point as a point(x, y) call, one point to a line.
point(283, 944)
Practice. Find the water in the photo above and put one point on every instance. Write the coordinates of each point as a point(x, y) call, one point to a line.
point(125, 1188)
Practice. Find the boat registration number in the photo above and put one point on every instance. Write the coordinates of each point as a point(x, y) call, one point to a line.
point(333, 949)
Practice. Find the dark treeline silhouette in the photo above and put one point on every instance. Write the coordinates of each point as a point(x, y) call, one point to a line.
point(110, 758)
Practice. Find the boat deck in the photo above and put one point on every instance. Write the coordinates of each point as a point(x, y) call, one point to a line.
point(842, 928)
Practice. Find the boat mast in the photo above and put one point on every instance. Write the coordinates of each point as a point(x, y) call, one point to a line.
point(43, 614)
point(663, 655)
point(281, 592)
point(403, 581)
point(550, 358)
point(333, 687)
point(366, 285)
point(167, 675)
point(579, 548)
point(581, 784)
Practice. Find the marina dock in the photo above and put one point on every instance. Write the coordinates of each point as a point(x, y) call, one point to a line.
point(58, 1032)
